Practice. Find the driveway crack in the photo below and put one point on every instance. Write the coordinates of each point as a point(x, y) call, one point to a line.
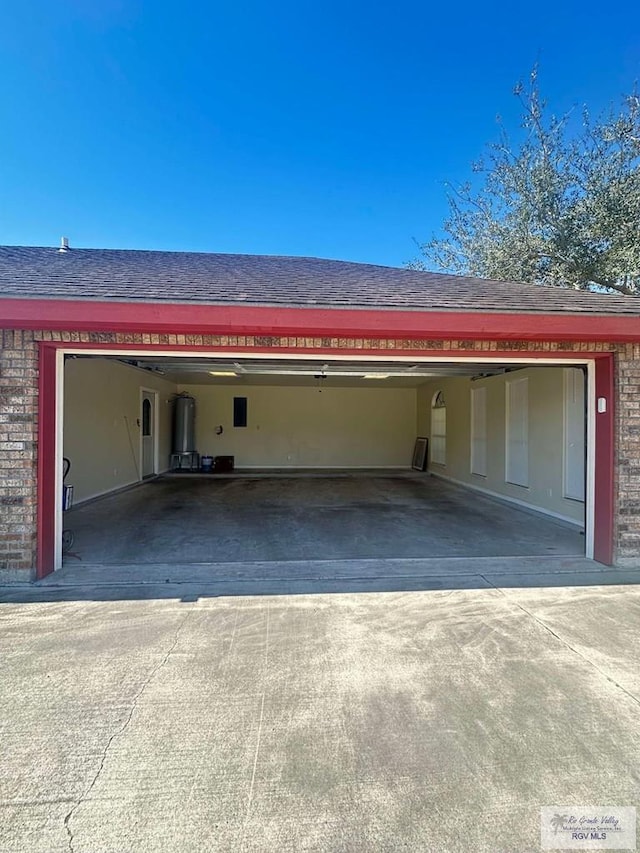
point(566, 643)
point(154, 671)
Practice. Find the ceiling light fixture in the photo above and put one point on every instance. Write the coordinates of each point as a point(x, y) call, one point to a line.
point(376, 376)
point(222, 373)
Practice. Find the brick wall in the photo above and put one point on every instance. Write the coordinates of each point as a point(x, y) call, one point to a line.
point(627, 455)
point(18, 453)
point(18, 420)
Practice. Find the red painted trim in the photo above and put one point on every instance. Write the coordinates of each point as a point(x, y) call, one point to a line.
point(170, 318)
point(604, 437)
point(46, 483)
point(604, 467)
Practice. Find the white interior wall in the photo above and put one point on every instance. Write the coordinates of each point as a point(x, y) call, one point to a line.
point(296, 426)
point(545, 437)
point(303, 427)
point(101, 431)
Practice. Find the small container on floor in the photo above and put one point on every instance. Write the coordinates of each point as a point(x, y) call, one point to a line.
point(223, 464)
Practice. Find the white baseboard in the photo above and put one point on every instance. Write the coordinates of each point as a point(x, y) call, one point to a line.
point(325, 467)
point(509, 500)
point(124, 487)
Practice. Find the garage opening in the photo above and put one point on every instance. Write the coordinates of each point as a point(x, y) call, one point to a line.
point(184, 459)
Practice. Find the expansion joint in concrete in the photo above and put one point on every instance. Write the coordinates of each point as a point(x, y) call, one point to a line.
point(258, 736)
point(117, 734)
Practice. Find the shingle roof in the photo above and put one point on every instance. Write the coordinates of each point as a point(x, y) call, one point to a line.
point(189, 277)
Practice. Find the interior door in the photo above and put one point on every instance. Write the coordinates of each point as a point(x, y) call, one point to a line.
point(574, 433)
point(148, 434)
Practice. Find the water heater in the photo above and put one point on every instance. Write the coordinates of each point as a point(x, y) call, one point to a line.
point(184, 424)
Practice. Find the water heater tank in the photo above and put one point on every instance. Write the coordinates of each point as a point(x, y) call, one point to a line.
point(184, 424)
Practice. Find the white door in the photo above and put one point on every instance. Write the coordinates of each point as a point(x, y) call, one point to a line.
point(479, 431)
point(574, 433)
point(147, 429)
point(517, 432)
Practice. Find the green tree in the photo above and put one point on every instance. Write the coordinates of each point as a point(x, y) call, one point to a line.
point(561, 208)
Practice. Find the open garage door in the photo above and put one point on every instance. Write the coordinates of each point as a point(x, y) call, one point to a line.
point(314, 458)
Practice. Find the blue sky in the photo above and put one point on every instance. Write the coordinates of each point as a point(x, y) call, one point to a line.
point(324, 129)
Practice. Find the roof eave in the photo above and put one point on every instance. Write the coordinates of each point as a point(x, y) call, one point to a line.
point(313, 321)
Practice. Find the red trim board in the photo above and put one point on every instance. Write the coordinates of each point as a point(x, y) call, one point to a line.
point(47, 479)
point(162, 318)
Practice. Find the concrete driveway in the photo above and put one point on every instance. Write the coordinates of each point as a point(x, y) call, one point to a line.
point(161, 719)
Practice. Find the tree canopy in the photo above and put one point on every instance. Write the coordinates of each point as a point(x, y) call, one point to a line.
point(561, 208)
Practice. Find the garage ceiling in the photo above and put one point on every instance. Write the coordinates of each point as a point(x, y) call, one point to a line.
point(239, 371)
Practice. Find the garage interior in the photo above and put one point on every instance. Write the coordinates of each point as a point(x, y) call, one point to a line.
point(290, 459)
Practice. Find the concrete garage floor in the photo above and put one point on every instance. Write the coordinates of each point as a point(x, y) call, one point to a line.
point(238, 519)
point(421, 721)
